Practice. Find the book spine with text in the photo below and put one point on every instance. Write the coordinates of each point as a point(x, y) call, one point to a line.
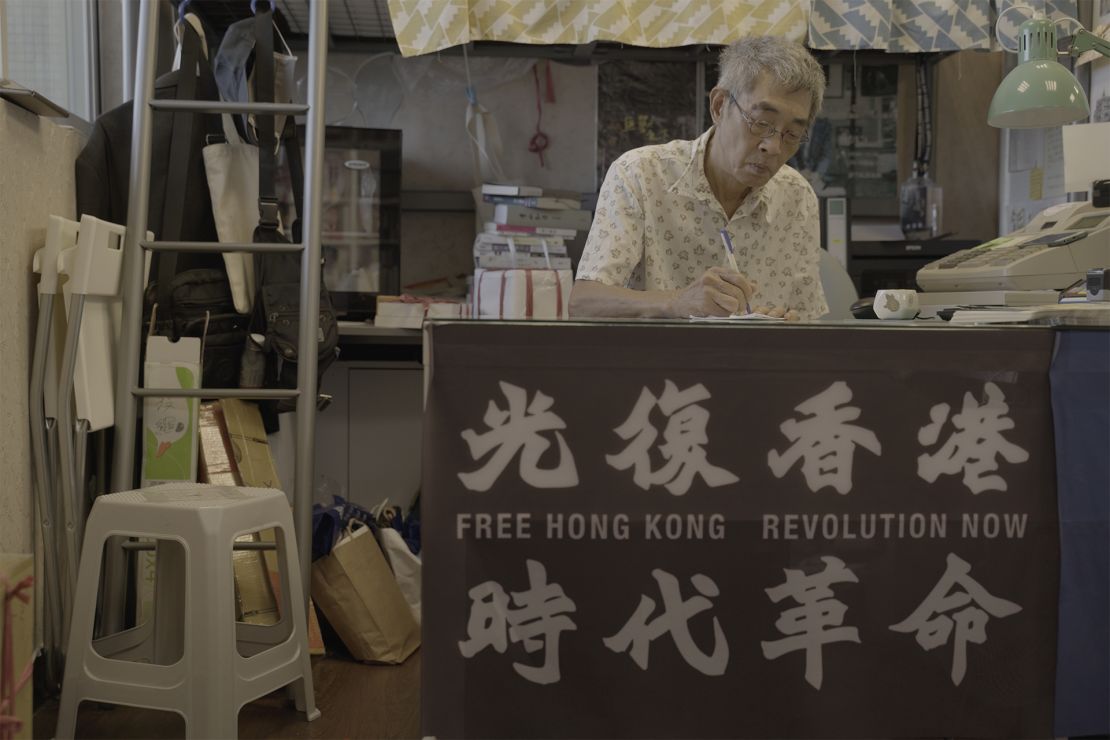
point(576, 219)
point(495, 228)
point(542, 202)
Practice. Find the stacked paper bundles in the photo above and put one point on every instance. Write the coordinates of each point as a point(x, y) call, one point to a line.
point(409, 312)
point(523, 210)
point(522, 293)
point(499, 251)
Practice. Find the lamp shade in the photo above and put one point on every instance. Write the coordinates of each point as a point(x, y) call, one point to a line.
point(1040, 92)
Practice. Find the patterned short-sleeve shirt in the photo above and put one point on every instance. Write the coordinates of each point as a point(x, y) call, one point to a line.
point(657, 227)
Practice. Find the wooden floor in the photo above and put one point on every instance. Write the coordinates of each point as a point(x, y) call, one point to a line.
point(355, 701)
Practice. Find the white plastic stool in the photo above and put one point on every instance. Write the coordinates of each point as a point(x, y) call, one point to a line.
point(192, 658)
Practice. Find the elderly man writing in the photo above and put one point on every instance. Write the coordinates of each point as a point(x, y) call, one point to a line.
point(655, 248)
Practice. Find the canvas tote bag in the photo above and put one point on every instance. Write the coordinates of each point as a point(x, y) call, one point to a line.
point(232, 164)
point(232, 169)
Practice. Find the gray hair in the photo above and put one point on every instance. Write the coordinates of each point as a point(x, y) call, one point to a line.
point(788, 64)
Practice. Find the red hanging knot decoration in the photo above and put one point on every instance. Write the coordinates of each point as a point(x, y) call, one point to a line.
point(539, 141)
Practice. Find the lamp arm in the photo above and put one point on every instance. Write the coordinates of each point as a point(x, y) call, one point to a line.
point(1087, 41)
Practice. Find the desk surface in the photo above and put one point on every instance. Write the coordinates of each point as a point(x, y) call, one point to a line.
point(366, 333)
point(933, 324)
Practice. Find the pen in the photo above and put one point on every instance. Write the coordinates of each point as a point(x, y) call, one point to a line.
point(731, 254)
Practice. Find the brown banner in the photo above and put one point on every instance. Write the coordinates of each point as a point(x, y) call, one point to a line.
point(654, 530)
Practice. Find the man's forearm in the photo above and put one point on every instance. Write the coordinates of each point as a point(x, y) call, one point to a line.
point(590, 298)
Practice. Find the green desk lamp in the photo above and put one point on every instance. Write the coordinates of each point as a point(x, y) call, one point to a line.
point(1040, 92)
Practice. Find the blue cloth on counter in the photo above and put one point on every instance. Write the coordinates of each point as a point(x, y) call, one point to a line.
point(1080, 381)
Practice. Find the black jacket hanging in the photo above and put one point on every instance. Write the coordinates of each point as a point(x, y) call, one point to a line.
point(191, 290)
point(103, 168)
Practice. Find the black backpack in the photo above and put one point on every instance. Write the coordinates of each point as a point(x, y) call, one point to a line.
point(277, 300)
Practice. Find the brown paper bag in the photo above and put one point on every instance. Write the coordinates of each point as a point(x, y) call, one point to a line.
point(355, 589)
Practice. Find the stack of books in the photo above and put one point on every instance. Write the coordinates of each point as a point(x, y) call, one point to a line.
point(525, 210)
point(495, 251)
point(408, 312)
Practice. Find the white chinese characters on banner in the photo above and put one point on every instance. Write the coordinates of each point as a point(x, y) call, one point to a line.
point(825, 441)
point(638, 633)
point(816, 621)
point(537, 622)
point(971, 608)
point(539, 617)
point(519, 429)
point(682, 448)
point(976, 444)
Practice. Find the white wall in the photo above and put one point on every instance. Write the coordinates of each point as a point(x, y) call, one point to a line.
point(36, 180)
point(425, 98)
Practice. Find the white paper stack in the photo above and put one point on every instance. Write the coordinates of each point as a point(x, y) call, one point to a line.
point(522, 294)
point(397, 313)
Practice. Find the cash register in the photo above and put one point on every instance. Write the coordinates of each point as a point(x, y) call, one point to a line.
point(1027, 267)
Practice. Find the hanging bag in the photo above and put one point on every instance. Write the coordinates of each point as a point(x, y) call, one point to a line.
point(232, 168)
point(194, 302)
point(277, 305)
point(231, 160)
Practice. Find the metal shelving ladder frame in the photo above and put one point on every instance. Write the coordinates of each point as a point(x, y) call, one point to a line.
point(127, 383)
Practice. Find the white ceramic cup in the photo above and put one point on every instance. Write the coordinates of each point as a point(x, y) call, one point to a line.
point(896, 304)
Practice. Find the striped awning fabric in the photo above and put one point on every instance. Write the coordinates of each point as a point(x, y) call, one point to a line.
point(904, 26)
point(423, 26)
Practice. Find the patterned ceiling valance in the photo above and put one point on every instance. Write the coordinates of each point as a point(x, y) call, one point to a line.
point(905, 26)
point(913, 26)
point(423, 26)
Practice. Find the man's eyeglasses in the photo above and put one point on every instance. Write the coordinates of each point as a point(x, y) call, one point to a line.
point(765, 130)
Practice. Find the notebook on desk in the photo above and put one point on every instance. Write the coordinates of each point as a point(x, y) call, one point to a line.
point(738, 317)
point(1055, 314)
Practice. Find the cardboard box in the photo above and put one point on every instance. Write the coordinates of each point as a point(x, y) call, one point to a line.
point(170, 424)
point(251, 450)
point(217, 464)
point(254, 598)
point(169, 436)
point(255, 467)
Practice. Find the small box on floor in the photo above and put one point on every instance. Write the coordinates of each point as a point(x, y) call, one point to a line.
point(17, 605)
point(253, 465)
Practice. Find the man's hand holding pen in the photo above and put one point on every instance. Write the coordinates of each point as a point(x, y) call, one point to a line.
point(719, 291)
point(778, 313)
